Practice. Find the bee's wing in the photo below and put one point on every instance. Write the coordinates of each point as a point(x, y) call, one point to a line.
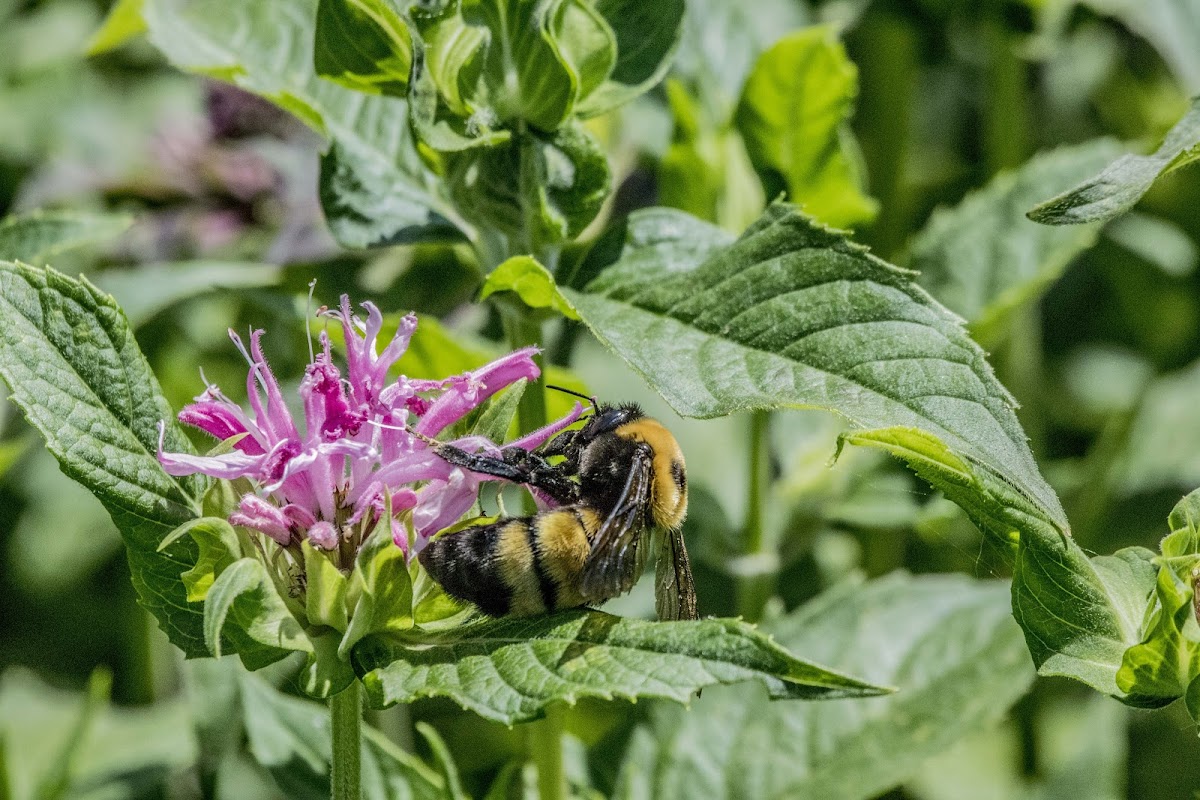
point(674, 589)
point(617, 555)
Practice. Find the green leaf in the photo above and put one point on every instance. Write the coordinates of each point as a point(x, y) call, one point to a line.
point(74, 368)
point(539, 188)
point(523, 73)
point(1080, 615)
point(244, 608)
point(38, 235)
point(1166, 661)
point(646, 37)
point(365, 206)
point(529, 281)
point(706, 170)
point(265, 47)
point(947, 642)
point(363, 45)
point(984, 259)
point(793, 314)
point(435, 127)
point(383, 586)
point(509, 670)
point(291, 738)
point(1170, 26)
point(147, 290)
point(123, 23)
point(793, 115)
point(443, 759)
point(584, 41)
point(123, 746)
point(1162, 450)
point(325, 590)
point(96, 697)
point(1119, 186)
point(218, 546)
point(500, 413)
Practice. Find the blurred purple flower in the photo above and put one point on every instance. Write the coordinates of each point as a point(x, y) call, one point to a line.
point(361, 441)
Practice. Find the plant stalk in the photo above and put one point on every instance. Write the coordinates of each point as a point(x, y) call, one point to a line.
point(546, 753)
point(756, 569)
point(345, 714)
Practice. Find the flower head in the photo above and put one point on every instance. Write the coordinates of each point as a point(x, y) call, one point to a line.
point(363, 441)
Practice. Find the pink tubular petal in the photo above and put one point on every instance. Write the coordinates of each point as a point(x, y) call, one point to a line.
point(216, 419)
point(228, 465)
point(257, 514)
point(542, 435)
point(442, 503)
point(468, 391)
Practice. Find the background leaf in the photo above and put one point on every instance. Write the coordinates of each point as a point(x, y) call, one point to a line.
point(1118, 187)
point(508, 670)
point(265, 47)
point(529, 281)
point(36, 236)
point(290, 737)
point(984, 259)
point(74, 368)
point(946, 642)
point(793, 115)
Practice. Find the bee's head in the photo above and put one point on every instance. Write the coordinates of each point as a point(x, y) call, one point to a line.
point(608, 418)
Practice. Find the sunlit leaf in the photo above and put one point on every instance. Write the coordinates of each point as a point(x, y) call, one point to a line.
point(577, 654)
point(793, 115)
point(530, 282)
point(984, 259)
point(363, 45)
point(73, 366)
point(793, 314)
point(1119, 186)
point(1166, 662)
point(123, 23)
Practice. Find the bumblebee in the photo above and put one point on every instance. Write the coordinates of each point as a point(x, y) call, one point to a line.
point(621, 476)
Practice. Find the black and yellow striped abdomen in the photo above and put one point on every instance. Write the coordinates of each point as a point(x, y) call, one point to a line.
point(521, 566)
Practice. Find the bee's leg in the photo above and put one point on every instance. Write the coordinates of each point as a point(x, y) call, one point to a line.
point(518, 466)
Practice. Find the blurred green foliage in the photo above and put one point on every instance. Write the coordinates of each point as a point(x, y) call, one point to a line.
point(1096, 331)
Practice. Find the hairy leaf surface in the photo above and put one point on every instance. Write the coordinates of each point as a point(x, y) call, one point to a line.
point(510, 669)
point(1119, 186)
point(74, 368)
point(794, 314)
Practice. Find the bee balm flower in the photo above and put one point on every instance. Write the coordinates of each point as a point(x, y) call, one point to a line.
point(361, 442)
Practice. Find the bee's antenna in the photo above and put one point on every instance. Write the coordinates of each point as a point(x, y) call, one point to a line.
point(592, 400)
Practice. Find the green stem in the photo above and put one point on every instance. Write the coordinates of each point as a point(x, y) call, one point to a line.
point(760, 476)
point(345, 713)
point(545, 751)
point(1006, 127)
point(755, 571)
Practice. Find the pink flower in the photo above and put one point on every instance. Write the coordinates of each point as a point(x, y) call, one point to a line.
point(360, 444)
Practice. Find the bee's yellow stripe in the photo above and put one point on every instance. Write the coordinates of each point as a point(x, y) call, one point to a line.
point(563, 546)
point(515, 560)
